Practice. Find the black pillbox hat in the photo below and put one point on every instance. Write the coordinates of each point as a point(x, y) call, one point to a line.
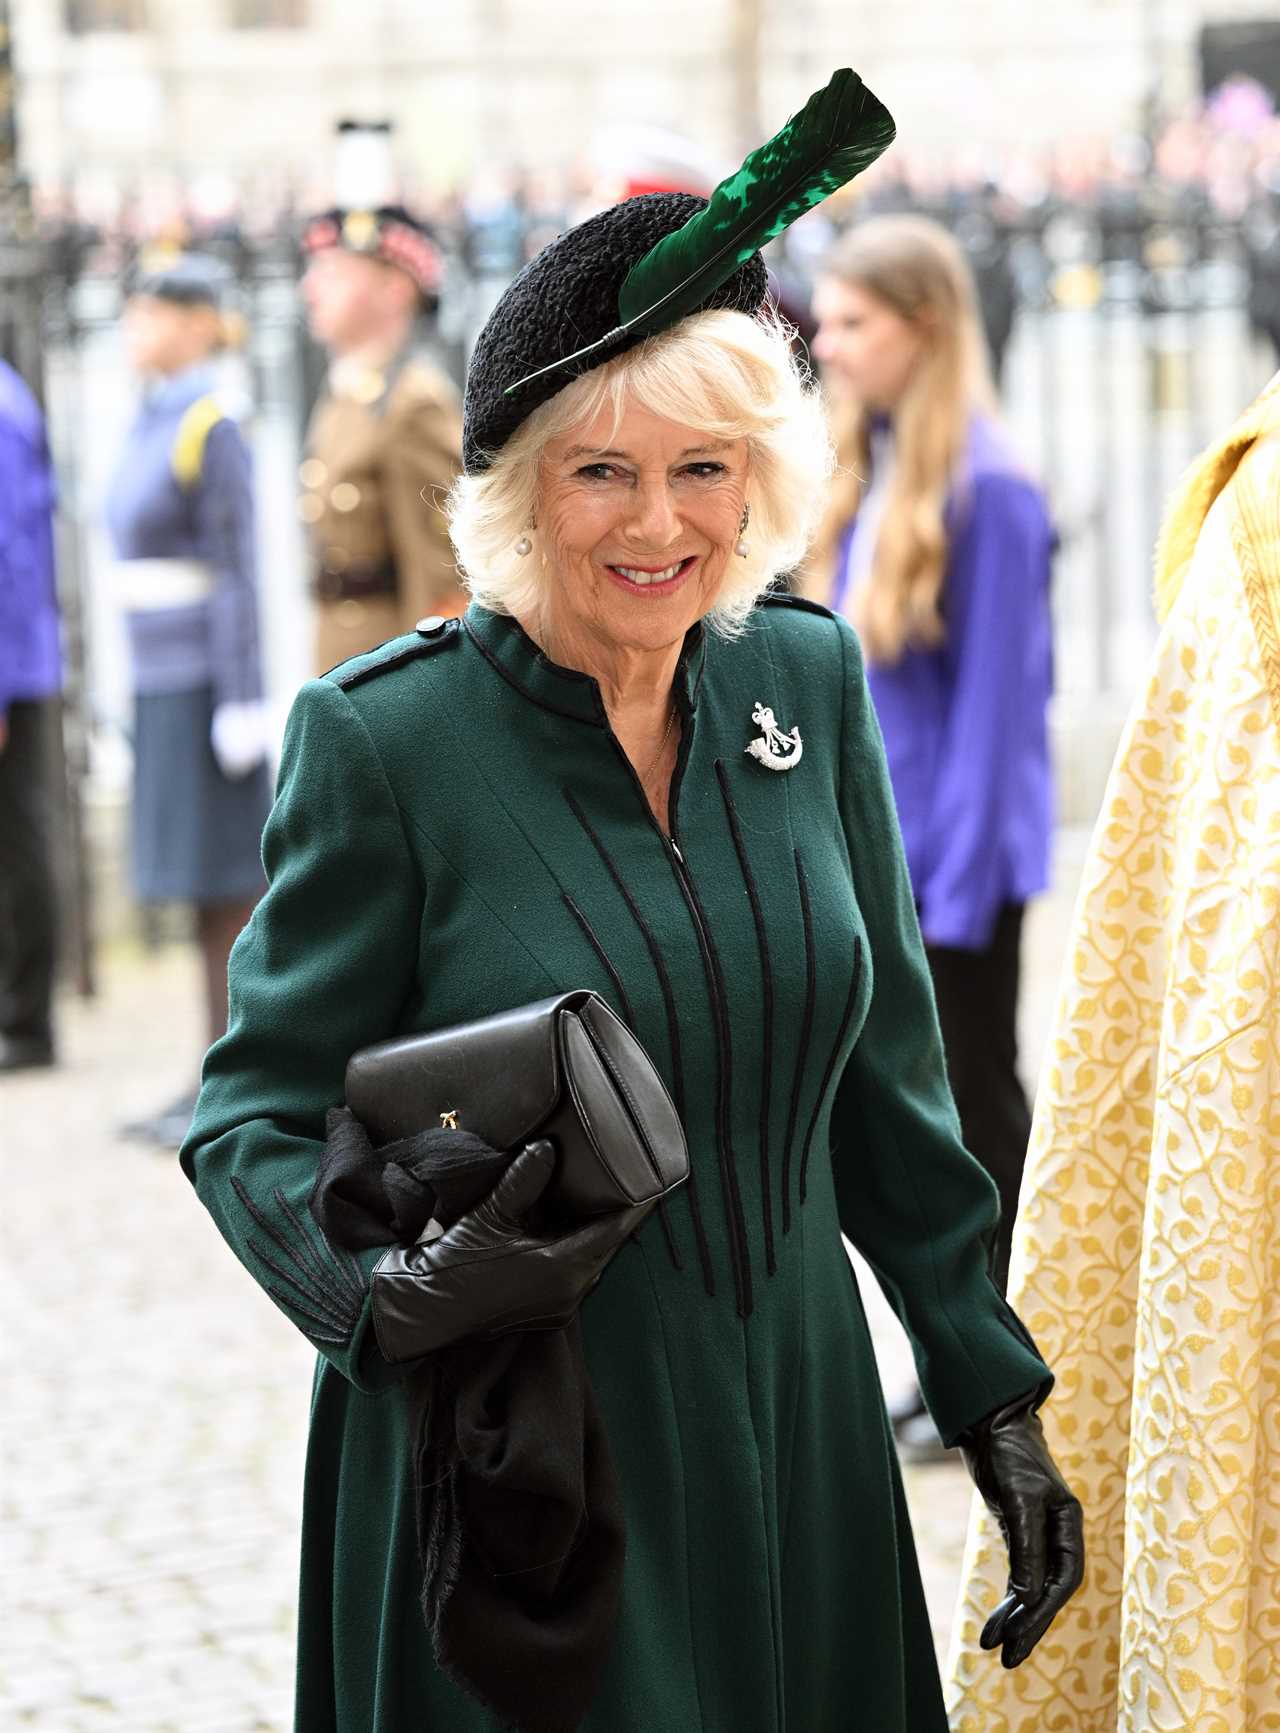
point(567, 297)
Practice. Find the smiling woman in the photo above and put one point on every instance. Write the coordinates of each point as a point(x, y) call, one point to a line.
point(734, 385)
point(676, 1508)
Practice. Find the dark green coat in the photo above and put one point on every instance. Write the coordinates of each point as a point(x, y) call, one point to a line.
point(457, 831)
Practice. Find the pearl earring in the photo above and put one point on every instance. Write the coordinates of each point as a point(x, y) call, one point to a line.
point(743, 547)
point(524, 547)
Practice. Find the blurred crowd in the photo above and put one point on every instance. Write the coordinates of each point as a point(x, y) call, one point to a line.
point(1064, 222)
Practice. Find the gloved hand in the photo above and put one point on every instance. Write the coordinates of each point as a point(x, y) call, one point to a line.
point(1040, 1518)
point(240, 735)
point(489, 1274)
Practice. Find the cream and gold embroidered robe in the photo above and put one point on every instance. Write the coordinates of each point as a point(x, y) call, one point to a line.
point(1147, 1255)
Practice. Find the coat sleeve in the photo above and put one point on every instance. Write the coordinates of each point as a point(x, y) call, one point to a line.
point(911, 1199)
point(998, 650)
point(324, 967)
point(224, 527)
point(424, 455)
point(30, 662)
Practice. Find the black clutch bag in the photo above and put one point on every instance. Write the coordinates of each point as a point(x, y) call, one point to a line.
point(566, 1069)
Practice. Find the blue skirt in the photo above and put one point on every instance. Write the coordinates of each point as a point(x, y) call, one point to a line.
point(196, 833)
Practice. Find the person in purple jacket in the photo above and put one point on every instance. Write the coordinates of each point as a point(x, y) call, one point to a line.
point(180, 510)
point(938, 550)
point(30, 680)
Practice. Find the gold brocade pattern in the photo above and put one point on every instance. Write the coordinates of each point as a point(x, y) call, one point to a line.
point(1147, 1255)
point(1255, 528)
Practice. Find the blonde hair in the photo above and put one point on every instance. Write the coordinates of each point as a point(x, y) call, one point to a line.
point(916, 268)
point(725, 375)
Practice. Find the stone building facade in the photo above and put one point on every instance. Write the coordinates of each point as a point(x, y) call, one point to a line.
point(251, 87)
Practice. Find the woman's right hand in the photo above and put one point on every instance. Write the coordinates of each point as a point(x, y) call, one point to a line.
point(489, 1274)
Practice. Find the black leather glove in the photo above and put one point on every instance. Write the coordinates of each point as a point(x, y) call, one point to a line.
point(1040, 1518)
point(489, 1273)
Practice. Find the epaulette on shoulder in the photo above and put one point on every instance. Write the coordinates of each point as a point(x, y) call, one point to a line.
point(198, 421)
point(429, 635)
point(786, 599)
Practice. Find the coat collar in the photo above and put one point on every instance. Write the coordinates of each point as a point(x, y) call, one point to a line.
point(1200, 486)
point(508, 648)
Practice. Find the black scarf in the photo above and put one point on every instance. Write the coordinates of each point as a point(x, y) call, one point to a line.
point(519, 1514)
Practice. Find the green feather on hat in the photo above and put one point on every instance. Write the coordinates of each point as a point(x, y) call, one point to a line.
point(838, 133)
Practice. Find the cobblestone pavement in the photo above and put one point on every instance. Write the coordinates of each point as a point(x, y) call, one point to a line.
point(155, 1400)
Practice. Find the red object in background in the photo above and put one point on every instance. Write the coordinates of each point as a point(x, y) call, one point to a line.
point(633, 188)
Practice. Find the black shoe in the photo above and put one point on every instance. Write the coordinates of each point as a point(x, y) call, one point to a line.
point(165, 1129)
point(918, 1442)
point(26, 1053)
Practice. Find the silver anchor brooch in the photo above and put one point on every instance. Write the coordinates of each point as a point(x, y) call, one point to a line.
point(775, 749)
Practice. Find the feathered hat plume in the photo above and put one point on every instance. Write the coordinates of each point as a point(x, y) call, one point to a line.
point(838, 133)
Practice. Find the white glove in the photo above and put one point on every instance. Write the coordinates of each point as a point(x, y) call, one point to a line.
point(240, 735)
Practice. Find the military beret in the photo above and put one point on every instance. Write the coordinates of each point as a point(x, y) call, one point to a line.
point(389, 233)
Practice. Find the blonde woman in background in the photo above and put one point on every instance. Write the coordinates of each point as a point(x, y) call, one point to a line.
point(937, 548)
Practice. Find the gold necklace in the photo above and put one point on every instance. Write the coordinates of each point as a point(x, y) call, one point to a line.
point(671, 722)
